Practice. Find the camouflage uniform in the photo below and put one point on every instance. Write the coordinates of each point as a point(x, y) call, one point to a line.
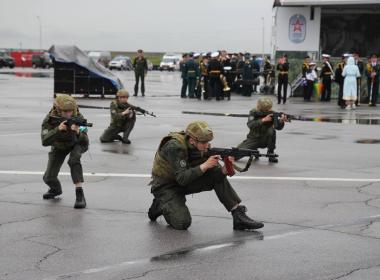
point(141, 68)
point(261, 135)
point(119, 123)
point(62, 143)
point(174, 177)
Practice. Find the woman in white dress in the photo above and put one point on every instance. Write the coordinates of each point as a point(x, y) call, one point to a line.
point(350, 73)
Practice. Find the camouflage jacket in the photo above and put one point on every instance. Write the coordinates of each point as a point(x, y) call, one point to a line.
point(172, 165)
point(63, 140)
point(117, 118)
point(257, 128)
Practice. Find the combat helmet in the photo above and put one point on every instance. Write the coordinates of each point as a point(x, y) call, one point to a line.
point(200, 131)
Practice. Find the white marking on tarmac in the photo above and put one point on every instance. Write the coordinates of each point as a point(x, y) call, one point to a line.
point(285, 234)
point(374, 216)
point(140, 175)
point(214, 247)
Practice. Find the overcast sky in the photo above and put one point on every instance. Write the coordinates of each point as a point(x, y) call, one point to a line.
point(126, 25)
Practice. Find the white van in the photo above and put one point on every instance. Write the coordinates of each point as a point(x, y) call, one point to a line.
point(170, 62)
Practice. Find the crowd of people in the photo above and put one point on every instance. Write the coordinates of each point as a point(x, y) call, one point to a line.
point(348, 74)
point(217, 74)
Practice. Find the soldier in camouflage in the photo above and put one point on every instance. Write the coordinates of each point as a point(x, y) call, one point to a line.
point(174, 176)
point(123, 119)
point(262, 134)
point(64, 140)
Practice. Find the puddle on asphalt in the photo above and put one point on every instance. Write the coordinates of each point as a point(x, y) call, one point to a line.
point(346, 121)
point(350, 120)
point(29, 74)
point(368, 141)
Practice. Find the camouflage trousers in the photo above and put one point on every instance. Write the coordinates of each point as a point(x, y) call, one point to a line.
point(112, 132)
point(265, 141)
point(172, 198)
point(56, 159)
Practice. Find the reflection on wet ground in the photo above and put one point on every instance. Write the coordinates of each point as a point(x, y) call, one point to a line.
point(368, 141)
point(326, 137)
point(297, 133)
point(29, 74)
point(184, 252)
point(345, 119)
point(116, 148)
point(239, 240)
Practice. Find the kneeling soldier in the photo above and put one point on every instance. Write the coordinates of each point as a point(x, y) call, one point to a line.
point(123, 119)
point(174, 176)
point(64, 140)
point(262, 133)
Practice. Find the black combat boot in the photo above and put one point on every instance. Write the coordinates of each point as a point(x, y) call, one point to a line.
point(80, 202)
point(50, 194)
point(271, 158)
point(242, 221)
point(154, 210)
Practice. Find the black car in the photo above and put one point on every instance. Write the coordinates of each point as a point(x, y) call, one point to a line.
point(6, 61)
point(41, 61)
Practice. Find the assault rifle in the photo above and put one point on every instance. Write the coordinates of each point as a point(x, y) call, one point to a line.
point(276, 117)
point(70, 121)
point(225, 153)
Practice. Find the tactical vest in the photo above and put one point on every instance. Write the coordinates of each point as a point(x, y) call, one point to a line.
point(161, 167)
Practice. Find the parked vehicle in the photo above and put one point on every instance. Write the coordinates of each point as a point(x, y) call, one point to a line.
point(170, 62)
point(120, 63)
point(42, 61)
point(6, 60)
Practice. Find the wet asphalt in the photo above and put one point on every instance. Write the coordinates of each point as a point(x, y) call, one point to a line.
point(320, 203)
